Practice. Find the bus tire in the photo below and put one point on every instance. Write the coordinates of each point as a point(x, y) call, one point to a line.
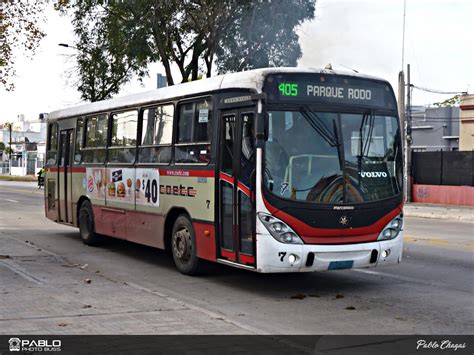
point(86, 224)
point(183, 246)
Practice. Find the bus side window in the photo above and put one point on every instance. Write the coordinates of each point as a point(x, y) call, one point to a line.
point(157, 132)
point(95, 140)
point(124, 137)
point(52, 151)
point(79, 140)
point(194, 132)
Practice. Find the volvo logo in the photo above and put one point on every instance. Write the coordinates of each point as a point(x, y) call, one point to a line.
point(373, 174)
point(343, 220)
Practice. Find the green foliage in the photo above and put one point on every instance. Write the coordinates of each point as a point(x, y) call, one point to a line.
point(20, 34)
point(2, 146)
point(117, 39)
point(8, 125)
point(8, 150)
point(451, 102)
point(107, 54)
point(263, 34)
point(180, 32)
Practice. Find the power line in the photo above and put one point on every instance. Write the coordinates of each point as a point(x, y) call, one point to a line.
point(434, 91)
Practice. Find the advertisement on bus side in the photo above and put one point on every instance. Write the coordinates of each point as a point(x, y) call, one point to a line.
point(126, 185)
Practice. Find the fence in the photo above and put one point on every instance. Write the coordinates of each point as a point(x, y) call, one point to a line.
point(31, 166)
point(4, 168)
point(21, 167)
point(443, 168)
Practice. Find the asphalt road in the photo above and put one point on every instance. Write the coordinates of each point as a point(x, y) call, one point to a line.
point(50, 282)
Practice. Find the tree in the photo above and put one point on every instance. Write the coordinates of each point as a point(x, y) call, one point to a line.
point(264, 35)
point(9, 150)
point(20, 33)
point(2, 146)
point(193, 34)
point(105, 57)
point(177, 32)
point(451, 102)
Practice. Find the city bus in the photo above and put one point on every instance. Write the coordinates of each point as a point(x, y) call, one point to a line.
point(270, 170)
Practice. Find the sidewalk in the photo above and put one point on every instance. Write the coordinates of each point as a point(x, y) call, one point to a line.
point(449, 212)
point(43, 292)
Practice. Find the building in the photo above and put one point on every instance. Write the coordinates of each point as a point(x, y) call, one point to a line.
point(28, 142)
point(435, 128)
point(466, 137)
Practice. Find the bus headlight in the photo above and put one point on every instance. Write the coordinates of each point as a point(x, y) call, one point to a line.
point(279, 229)
point(392, 229)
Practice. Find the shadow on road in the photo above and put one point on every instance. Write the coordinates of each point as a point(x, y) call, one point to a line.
point(296, 285)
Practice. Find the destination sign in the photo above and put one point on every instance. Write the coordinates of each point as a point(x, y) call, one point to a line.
point(329, 89)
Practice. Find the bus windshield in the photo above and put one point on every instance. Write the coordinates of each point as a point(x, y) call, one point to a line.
point(332, 157)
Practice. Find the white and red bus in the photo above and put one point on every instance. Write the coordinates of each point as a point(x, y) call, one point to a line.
point(270, 170)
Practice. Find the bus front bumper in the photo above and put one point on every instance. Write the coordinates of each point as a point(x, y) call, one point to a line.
point(274, 257)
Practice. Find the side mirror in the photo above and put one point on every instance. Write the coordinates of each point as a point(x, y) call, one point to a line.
point(261, 124)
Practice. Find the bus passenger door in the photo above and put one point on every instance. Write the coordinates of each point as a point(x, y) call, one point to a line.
point(236, 186)
point(65, 176)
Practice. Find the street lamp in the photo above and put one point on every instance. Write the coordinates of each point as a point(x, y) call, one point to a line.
point(66, 45)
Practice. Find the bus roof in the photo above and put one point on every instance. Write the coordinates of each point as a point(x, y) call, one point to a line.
point(251, 79)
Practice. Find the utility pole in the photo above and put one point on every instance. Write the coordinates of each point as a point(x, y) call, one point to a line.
point(10, 151)
point(405, 116)
point(408, 139)
point(403, 125)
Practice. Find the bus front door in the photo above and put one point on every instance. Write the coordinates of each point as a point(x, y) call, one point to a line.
point(65, 176)
point(236, 187)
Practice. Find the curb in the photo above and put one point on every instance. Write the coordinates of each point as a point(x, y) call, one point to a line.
point(439, 213)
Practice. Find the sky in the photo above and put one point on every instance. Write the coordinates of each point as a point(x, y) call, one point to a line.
point(364, 35)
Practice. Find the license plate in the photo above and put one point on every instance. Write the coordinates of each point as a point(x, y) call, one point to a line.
point(340, 265)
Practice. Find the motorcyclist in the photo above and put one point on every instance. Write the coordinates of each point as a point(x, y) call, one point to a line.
point(41, 175)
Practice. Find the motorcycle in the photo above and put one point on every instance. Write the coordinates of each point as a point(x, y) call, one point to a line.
point(40, 182)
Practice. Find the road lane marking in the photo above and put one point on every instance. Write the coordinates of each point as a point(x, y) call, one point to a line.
point(399, 277)
point(6, 199)
point(437, 242)
point(24, 191)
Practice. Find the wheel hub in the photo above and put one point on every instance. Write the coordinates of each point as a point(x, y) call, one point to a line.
point(182, 244)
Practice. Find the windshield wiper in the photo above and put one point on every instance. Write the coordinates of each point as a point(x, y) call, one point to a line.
point(339, 146)
point(368, 140)
point(319, 126)
point(364, 142)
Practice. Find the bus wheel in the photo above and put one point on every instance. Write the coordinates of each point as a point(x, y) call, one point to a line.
point(183, 246)
point(86, 224)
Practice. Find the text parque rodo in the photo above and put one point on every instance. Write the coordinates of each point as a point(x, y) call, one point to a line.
point(338, 92)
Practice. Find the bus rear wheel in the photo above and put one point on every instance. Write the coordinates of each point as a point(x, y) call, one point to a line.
point(183, 246)
point(86, 224)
